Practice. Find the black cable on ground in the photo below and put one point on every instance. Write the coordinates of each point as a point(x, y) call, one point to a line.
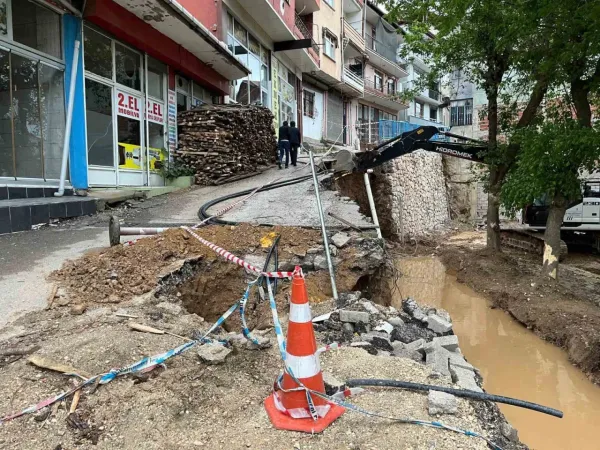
point(458, 392)
point(203, 212)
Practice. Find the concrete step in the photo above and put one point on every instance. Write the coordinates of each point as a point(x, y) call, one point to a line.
point(21, 214)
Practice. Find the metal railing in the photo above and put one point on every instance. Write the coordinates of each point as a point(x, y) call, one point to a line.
point(387, 51)
point(304, 31)
point(353, 33)
point(382, 90)
point(432, 93)
point(354, 79)
point(382, 130)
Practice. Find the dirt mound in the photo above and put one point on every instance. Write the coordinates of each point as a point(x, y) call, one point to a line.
point(119, 273)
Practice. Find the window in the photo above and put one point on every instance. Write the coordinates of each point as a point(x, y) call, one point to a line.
point(157, 74)
point(378, 81)
point(461, 113)
point(433, 112)
point(330, 45)
point(98, 53)
point(309, 104)
point(419, 109)
point(330, 3)
point(128, 67)
point(391, 86)
point(98, 104)
point(36, 27)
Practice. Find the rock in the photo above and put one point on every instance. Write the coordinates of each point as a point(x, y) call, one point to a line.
point(64, 301)
point(437, 324)
point(333, 250)
point(78, 310)
point(331, 381)
point(320, 262)
point(349, 297)
point(170, 308)
point(393, 311)
point(456, 359)
point(314, 251)
point(384, 326)
point(348, 327)
point(237, 339)
point(509, 432)
point(444, 314)
point(437, 357)
point(354, 316)
point(213, 353)
point(113, 298)
point(411, 307)
point(379, 341)
point(263, 342)
point(408, 354)
point(411, 332)
point(333, 325)
point(395, 321)
point(416, 346)
point(397, 345)
point(369, 307)
point(340, 240)
point(450, 342)
point(464, 378)
point(441, 403)
point(360, 344)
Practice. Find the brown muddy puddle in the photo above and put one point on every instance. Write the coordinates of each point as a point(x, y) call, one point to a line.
point(513, 361)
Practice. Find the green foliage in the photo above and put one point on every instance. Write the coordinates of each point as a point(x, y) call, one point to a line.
point(552, 157)
point(175, 169)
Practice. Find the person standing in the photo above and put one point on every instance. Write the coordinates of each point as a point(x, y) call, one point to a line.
point(284, 144)
point(295, 142)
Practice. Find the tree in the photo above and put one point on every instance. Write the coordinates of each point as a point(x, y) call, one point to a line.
point(497, 44)
point(552, 156)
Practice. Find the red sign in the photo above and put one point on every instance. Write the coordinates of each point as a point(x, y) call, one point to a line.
point(155, 112)
point(128, 105)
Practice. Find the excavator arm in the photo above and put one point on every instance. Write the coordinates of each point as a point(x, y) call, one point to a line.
point(408, 142)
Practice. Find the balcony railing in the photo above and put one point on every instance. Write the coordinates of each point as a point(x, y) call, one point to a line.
point(432, 93)
point(304, 31)
point(427, 92)
point(353, 79)
point(387, 51)
point(374, 132)
point(353, 34)
point(383, 90)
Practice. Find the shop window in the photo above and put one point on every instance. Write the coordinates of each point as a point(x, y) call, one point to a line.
point(97, 53)
point(36, 27)
point(6, 142)
point(157, 74)
point(98, 103)
point(255, 78)
point(52, 103)
point(26, 117)
point(130, 141)
point(182, 102)
point(128, 67)
point(156, 145)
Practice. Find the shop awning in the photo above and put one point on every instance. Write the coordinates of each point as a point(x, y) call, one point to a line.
point(171, 19)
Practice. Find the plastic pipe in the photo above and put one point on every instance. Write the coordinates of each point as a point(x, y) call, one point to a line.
point(323, 228)
point(65, 155)
point(372, 204)
point(458, 392)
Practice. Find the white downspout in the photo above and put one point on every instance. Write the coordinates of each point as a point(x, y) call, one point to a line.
point(65, 155)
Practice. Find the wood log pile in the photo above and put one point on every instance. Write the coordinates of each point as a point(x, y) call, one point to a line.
point(226, 142)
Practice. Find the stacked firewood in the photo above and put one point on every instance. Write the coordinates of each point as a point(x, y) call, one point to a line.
point(225, 142)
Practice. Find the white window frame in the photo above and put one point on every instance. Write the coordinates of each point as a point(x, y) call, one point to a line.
point(330, 43)
point(8, 38)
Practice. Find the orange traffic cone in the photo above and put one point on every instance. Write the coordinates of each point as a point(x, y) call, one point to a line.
point(290, 410)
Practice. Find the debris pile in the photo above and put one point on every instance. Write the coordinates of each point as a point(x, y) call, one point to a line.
point(223, 142)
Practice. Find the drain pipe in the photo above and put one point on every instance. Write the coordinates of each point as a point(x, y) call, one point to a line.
point(65, 155)
point(372, 203)
point(323, 228)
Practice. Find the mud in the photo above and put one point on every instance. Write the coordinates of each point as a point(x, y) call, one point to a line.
point(512, 360)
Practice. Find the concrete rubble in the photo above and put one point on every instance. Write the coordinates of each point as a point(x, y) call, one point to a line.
point(441, 403)
point(213, 353)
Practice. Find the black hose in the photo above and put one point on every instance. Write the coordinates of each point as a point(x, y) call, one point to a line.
point(458, 392)
point(272, 251)
point(203, 212)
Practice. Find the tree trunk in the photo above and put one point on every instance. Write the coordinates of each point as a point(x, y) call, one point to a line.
point(495, 182)
point(552, 236)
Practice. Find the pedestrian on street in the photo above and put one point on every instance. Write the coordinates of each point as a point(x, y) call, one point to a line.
point(295, 142)
point(284, 144)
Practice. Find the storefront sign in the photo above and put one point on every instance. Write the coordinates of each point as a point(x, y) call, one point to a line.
point(155, 112)
point(128, 105)
point(172, 121)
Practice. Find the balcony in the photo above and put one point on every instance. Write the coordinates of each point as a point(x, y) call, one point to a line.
point(426, 95)
point(354, 35)
point(308, 6)
point(354, 84)
point(305, 33)
point(384, 56)
point(380, 95)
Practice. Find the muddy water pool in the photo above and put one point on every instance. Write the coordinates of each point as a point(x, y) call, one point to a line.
point(512, 360)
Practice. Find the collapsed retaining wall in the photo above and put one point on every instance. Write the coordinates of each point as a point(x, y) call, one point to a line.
point(410, 195)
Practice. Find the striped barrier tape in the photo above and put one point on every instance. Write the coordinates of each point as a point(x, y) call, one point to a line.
point(335, 399)
point(145, 364)
point(240, 262)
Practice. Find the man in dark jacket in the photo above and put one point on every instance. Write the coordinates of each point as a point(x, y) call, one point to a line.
point(284, 144)
point(295, 141)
